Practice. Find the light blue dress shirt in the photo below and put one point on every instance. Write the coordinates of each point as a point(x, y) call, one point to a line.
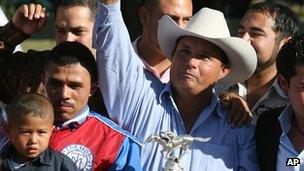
point(139, 102)
point(286, 148)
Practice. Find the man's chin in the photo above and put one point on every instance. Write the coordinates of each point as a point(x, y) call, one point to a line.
point(63, 116)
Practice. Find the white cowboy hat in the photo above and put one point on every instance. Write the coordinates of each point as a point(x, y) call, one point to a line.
point(211, 25)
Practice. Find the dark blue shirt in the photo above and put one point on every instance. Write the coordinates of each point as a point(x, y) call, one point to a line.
point(49, 160)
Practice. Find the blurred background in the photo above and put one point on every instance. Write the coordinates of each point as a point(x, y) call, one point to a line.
point(233, 10)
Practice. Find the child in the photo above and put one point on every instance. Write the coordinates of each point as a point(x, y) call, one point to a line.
point(30, 126)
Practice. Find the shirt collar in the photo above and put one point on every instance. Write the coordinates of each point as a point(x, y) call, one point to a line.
point(214, 103)
point(166, 90)
point(44, 158)
point(79, 119)
point(278, 89)
point(285, 119)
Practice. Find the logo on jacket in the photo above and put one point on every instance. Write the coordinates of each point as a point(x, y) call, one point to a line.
point(81, 155)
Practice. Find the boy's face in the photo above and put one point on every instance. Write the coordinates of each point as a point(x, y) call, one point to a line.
point(30, 136)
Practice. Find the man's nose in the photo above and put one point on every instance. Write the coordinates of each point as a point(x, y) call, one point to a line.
point(191, 63)
point(70, 37)
point(65, 92)
point(246, 37)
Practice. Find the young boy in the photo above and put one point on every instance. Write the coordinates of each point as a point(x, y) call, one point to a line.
point(30, 126)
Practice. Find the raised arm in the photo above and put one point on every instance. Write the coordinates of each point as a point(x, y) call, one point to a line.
point(20, 72)
point(122, 80)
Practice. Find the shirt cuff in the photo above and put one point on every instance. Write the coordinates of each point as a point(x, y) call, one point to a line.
point(10, 37)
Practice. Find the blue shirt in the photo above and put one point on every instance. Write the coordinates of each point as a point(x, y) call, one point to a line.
point(143, 105)
point(286, 148)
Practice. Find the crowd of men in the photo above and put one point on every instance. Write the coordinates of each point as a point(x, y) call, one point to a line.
point(92, 101)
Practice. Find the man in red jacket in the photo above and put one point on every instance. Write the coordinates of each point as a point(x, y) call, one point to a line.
point(90, 140)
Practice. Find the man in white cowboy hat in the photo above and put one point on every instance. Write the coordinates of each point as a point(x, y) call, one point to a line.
point(202, 54)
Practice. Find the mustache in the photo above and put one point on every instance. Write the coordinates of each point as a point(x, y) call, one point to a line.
point(187, 73)
point(63, 103)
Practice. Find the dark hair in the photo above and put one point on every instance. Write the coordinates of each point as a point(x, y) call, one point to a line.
point(290, 56)
point(33, 104)
point(286, 22)
point(21, 73)
point(91, 4)
point(67, 53)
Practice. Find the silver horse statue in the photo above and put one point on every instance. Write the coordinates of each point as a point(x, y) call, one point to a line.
point(170, 141)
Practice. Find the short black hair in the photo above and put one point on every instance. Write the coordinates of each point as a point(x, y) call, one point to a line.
point(91, 4)
point(290, 56)
point(286, 23)
point(67, 53)
point(30, 104)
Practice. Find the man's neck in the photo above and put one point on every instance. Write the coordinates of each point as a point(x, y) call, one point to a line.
point(190, 106)
point(153, 56)
point(259, 83)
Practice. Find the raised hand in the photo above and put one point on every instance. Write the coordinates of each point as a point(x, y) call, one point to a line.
point(29, 18)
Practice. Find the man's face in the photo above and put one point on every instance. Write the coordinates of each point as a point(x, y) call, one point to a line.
point(296, 91)
point(68, 88)
point(179, 10)
point(74, 24)
point(196, 66)
point(30, 136)
point(257, 28)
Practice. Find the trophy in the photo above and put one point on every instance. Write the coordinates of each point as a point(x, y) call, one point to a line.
point(170, 142)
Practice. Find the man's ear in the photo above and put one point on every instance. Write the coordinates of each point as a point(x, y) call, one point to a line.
point(283, 41)
point(93, 88)
point(283, 83)
point(44, 79)
point(143, 15)
point(224, 71)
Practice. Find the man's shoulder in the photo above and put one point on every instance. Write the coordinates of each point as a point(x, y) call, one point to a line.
point(270, 116)
point(110, 126)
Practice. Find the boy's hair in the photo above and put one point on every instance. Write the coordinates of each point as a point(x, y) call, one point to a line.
point(33, 104)
point(91, 4)
point(290, 56)
point(68, 53)
point(286, 23)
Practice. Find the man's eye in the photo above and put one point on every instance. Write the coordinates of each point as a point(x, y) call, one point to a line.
point(24, 132)
point(60, 31)
point(241, 33)
point(78, 32)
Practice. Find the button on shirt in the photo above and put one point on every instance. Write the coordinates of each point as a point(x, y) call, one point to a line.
point(143, 105)
point(286, 148)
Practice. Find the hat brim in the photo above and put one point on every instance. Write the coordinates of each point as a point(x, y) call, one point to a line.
point(241, 55)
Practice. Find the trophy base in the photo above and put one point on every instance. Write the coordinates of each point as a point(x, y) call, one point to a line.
point(172, 164)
